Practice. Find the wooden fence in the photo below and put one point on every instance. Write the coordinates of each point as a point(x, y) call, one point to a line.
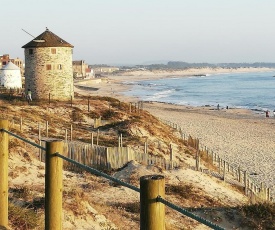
point(107, 158)
point(112, 157)
point(230, 173)
point(97, 156)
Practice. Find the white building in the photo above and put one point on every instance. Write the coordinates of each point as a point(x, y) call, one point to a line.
point(10, 76)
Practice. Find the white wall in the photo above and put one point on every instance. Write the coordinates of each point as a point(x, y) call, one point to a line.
point(11, 78)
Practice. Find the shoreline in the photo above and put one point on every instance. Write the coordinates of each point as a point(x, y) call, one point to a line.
point(241, 136)
point(114, 85)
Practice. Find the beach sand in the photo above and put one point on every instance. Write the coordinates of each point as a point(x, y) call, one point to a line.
point(241, 137)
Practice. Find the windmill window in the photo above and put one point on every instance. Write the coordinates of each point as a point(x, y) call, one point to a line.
point(48, 67)
point(30, 51)
point(53, 50)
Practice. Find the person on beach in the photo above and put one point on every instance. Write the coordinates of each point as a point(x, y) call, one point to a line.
point(274, 113)
point(266, 113)
point(218, 107)
point(29, 96)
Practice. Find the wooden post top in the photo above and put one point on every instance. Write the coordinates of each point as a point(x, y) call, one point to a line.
point(151, 177)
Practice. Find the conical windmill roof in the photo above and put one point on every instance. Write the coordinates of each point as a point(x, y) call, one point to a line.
point(10, 66)
point(47, 39)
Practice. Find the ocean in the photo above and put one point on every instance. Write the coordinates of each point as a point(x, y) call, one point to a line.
point(254, 91)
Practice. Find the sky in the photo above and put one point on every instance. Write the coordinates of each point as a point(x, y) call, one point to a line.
point(131, 32)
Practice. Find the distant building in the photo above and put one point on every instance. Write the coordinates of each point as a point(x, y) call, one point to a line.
point(81, 70)
point(103, 69)
point(10, 76)
point(5, 59)
point(48, 67)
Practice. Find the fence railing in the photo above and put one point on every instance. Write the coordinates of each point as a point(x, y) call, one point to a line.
point(152, 189)
point(230, 173)
point(107, 158)
point(98, 156)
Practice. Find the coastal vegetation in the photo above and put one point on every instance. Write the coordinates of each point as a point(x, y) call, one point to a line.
point(27, 199)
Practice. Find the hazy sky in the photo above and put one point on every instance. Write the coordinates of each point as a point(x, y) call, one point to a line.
point(138, 31)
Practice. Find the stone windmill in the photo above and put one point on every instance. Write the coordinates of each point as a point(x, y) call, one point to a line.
point(48, 67)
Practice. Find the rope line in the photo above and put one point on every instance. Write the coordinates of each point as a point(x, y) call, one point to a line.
point(159, 199)
point(97, 172)
point(23, 139)
point(189, 214)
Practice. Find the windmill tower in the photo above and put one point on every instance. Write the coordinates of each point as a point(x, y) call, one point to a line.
point(48, 67)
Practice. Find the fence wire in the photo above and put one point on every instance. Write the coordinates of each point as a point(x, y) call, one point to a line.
point(23, 139)
point(189, 214)
point(159, 199)
point(99, 173)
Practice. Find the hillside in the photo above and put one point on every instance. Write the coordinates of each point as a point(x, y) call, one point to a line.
point(92, 202)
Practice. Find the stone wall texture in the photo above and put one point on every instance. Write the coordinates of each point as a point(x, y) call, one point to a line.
point(56, 81)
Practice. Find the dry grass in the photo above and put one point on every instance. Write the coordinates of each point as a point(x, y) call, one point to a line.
point(134, 127)
point(183, 190)
point(132, 207)
point(21, 218)
point(258, 216)
point(21, 192)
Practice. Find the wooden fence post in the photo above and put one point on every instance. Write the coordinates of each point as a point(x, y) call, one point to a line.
point(97, 137)
point(197, 160)
point(53, 185)
point(92, 139)
point(21, 123)
point(71, 132)
point(152, 213)
point(245, 182)
point(171, 157)
point(239, 174)
point(40, 151)
point(224, 170)
point(66, 135)
point(268, 194)
point(40, 142)
point(4, 151)
point(47, 129)
point(219, 159)
point(39, 132)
